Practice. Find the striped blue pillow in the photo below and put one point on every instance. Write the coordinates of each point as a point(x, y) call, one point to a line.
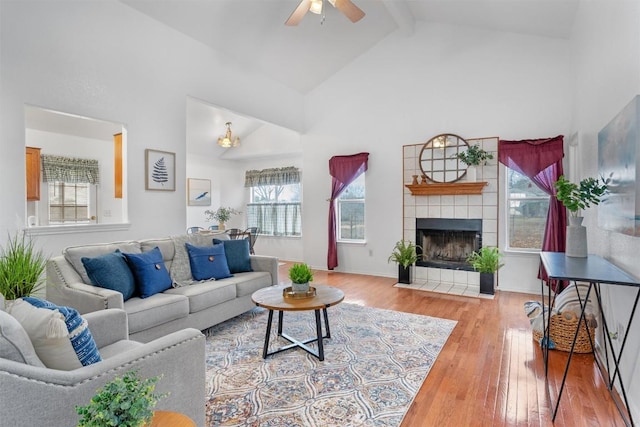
point(78, 331)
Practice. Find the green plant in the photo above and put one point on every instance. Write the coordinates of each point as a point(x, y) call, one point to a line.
point(300, 273)
point(474, 156)
point(126, 401)
point(580, 196)
point(221, 214)
point(21, 267)
point(404, 253)
point(486, 260)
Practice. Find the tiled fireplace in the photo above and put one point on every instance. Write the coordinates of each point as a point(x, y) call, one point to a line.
point(448, 227)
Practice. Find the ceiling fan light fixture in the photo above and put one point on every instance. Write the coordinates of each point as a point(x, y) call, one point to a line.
point(228, 141)
point(316, 7)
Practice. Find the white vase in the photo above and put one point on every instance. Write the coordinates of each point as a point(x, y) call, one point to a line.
point(576, 243)
point(472, 173)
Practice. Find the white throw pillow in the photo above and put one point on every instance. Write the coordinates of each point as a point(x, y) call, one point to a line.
point(60, 336)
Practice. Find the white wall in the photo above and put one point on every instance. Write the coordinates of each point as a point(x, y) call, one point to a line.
point(607, 67)
point(406, 90)
point(108, 61)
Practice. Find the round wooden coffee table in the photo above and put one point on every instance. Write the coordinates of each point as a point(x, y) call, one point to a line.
point(272, 299)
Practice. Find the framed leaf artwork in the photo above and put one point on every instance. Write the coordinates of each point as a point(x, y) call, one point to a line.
point(160, 170)
point(198, 192)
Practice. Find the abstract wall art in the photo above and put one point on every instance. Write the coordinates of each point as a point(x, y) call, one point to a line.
point(198, 192)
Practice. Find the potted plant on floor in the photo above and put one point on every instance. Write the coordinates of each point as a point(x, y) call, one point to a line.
point(404, 253)
point(486, 261)
point(21, 267)
point(222, 215)
point(300, 275)
point(126, 401)
point(575, 197)
point(473, 157)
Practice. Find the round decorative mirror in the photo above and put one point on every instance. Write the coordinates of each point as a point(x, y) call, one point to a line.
point(438, 158)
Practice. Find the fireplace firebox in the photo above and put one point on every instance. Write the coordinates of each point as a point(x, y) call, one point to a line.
point(447, 242)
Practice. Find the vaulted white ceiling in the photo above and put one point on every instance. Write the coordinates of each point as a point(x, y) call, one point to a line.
point(253, 33)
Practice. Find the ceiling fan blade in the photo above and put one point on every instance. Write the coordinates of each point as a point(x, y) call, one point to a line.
point(299, 13)
point(350, 10)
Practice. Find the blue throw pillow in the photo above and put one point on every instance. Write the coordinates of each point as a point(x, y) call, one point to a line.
point(237, 252)
point(74, 328)
point(208, 262)
point(149, 271)
point(110, 271)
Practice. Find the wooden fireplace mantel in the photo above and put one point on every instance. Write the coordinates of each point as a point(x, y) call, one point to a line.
point(450, 188)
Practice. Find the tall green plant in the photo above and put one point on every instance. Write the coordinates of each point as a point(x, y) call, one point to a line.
point(404, 253)
point(486, 260)
point(21, 267)
point(580, 196)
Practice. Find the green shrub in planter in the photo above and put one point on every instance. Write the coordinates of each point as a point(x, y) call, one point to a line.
point(486, 260)
point(300, 273)
point(126, 401)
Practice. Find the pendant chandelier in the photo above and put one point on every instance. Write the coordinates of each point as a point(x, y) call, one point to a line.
point(228, 141)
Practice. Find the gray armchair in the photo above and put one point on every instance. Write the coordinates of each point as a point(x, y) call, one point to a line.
point(32, 395)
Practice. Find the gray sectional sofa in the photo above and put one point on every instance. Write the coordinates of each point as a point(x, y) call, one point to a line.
point(196, 305)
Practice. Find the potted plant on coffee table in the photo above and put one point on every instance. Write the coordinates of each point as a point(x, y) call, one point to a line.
point(21, 267)
point(575, 197)
point(486, 261)
point(404, 253)
point(300, 275)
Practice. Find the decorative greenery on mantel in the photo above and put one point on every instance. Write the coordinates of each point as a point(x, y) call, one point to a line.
point(474, 156)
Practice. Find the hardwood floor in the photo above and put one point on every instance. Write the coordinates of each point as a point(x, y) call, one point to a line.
point(490, 372)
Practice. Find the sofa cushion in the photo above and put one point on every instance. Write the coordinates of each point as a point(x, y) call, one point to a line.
point(208, 262)
point(74, 254)
point(15, 343)
point(149, 271)
point(237, 253)
point(160, 308)
point(110, 271)
point(248, 283)
point(206, 294)
point(60, 336)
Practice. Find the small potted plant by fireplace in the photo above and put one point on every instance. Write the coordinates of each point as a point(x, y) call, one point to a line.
point(486, 261)
point(404, 253)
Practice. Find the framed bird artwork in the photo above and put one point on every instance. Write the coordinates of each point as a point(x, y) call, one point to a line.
point(198, 192)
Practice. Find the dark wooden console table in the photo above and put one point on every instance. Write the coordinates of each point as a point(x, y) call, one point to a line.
point(596, 271)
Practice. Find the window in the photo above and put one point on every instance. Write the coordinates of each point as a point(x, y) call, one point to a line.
point(527, 212)
point(275, 204)
point(275, 210)
point(68, 202)
point(351, 211)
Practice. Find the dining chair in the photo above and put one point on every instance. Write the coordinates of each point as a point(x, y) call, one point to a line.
point(214, 227)
point(252, 232)
point(192, 230)
point(234, 233)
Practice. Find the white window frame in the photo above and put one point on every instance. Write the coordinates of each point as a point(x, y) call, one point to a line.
point(507, 227)
point(362, 201)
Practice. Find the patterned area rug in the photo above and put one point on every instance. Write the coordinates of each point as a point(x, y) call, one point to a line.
point(375, 362)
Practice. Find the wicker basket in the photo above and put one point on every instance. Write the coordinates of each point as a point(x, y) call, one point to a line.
point(562, 329)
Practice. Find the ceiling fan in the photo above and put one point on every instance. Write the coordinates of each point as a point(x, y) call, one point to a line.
point(350, 10)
